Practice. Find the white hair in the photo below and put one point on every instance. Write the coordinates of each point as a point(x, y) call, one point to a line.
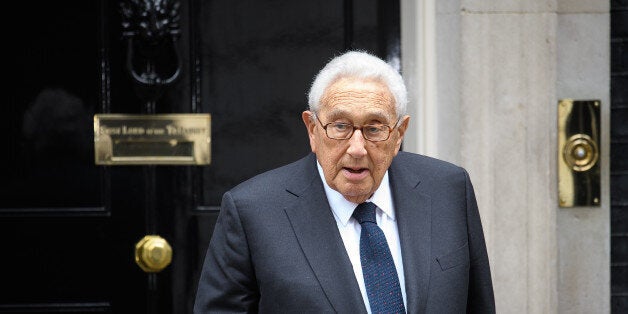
point(359, 64)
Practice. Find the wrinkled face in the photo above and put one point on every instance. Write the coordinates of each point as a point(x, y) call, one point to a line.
point(355, 166)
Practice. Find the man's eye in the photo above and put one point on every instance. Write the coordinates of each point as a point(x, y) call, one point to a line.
point(373, 129)
point(341, 126)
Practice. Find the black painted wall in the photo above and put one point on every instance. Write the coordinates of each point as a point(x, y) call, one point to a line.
point(619, 156)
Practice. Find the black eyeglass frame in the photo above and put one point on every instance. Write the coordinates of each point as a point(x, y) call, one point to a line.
point(324, 126)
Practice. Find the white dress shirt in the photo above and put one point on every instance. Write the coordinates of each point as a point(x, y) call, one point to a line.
point(350, 229)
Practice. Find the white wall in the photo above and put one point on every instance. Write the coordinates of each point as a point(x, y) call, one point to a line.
point(583, 72)
point(484, 79)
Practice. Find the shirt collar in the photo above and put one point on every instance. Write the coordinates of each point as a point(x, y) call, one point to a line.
point(343, 209)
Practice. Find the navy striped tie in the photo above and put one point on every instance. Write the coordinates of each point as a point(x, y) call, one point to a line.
point(378, 267)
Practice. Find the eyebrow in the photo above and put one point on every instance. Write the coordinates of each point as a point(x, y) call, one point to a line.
point(335, 114)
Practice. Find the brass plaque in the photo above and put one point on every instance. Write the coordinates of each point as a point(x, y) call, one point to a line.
point(157, 139)
point(578, 153)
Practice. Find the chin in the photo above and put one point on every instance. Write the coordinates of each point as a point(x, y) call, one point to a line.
point(355, 193)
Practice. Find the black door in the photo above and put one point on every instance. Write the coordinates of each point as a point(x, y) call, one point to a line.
point(68, 228)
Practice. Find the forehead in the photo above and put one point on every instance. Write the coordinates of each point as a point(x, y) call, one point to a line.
point(356, 97)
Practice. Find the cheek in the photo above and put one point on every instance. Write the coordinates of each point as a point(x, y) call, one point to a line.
point(382, 158)
point(318, 143)
point(380, 166)
point(329, 155)
point(330, 158)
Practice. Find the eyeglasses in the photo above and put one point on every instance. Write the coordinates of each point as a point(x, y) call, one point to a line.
point(371, 132)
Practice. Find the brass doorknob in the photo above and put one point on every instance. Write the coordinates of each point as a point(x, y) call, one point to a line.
point(153, 253)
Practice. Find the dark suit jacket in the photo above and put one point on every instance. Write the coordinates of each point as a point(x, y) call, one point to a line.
point(276, 247)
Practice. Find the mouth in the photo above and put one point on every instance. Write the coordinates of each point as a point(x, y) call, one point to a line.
point(354, 173)
point(355, 170)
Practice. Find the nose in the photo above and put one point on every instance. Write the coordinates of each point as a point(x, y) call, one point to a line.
point(357, 143)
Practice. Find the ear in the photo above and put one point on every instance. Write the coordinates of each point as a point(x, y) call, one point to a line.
point(401, 129)
point(310, 125)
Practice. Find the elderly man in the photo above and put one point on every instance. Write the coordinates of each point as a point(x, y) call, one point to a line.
point(355, 227)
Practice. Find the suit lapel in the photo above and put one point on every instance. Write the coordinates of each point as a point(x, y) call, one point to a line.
point(315, 229)
point(413, 212)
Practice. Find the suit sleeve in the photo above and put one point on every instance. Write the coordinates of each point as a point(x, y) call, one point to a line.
point(227, 283)
point(480, 298)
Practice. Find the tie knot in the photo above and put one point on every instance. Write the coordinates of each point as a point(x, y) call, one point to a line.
point(365, 212)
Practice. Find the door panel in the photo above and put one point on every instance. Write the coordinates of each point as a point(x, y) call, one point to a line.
point(68, 228)
point(54, 223)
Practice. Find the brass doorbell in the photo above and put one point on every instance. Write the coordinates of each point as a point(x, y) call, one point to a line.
point(578, 153)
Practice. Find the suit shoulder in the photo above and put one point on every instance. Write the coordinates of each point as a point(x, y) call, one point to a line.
point(276, 179)
point(430, 171)
point(412, 162)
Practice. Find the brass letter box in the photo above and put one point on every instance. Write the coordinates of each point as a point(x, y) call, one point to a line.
point(158, 139)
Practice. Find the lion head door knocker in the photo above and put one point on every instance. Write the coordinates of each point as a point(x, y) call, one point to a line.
point(151, 29)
